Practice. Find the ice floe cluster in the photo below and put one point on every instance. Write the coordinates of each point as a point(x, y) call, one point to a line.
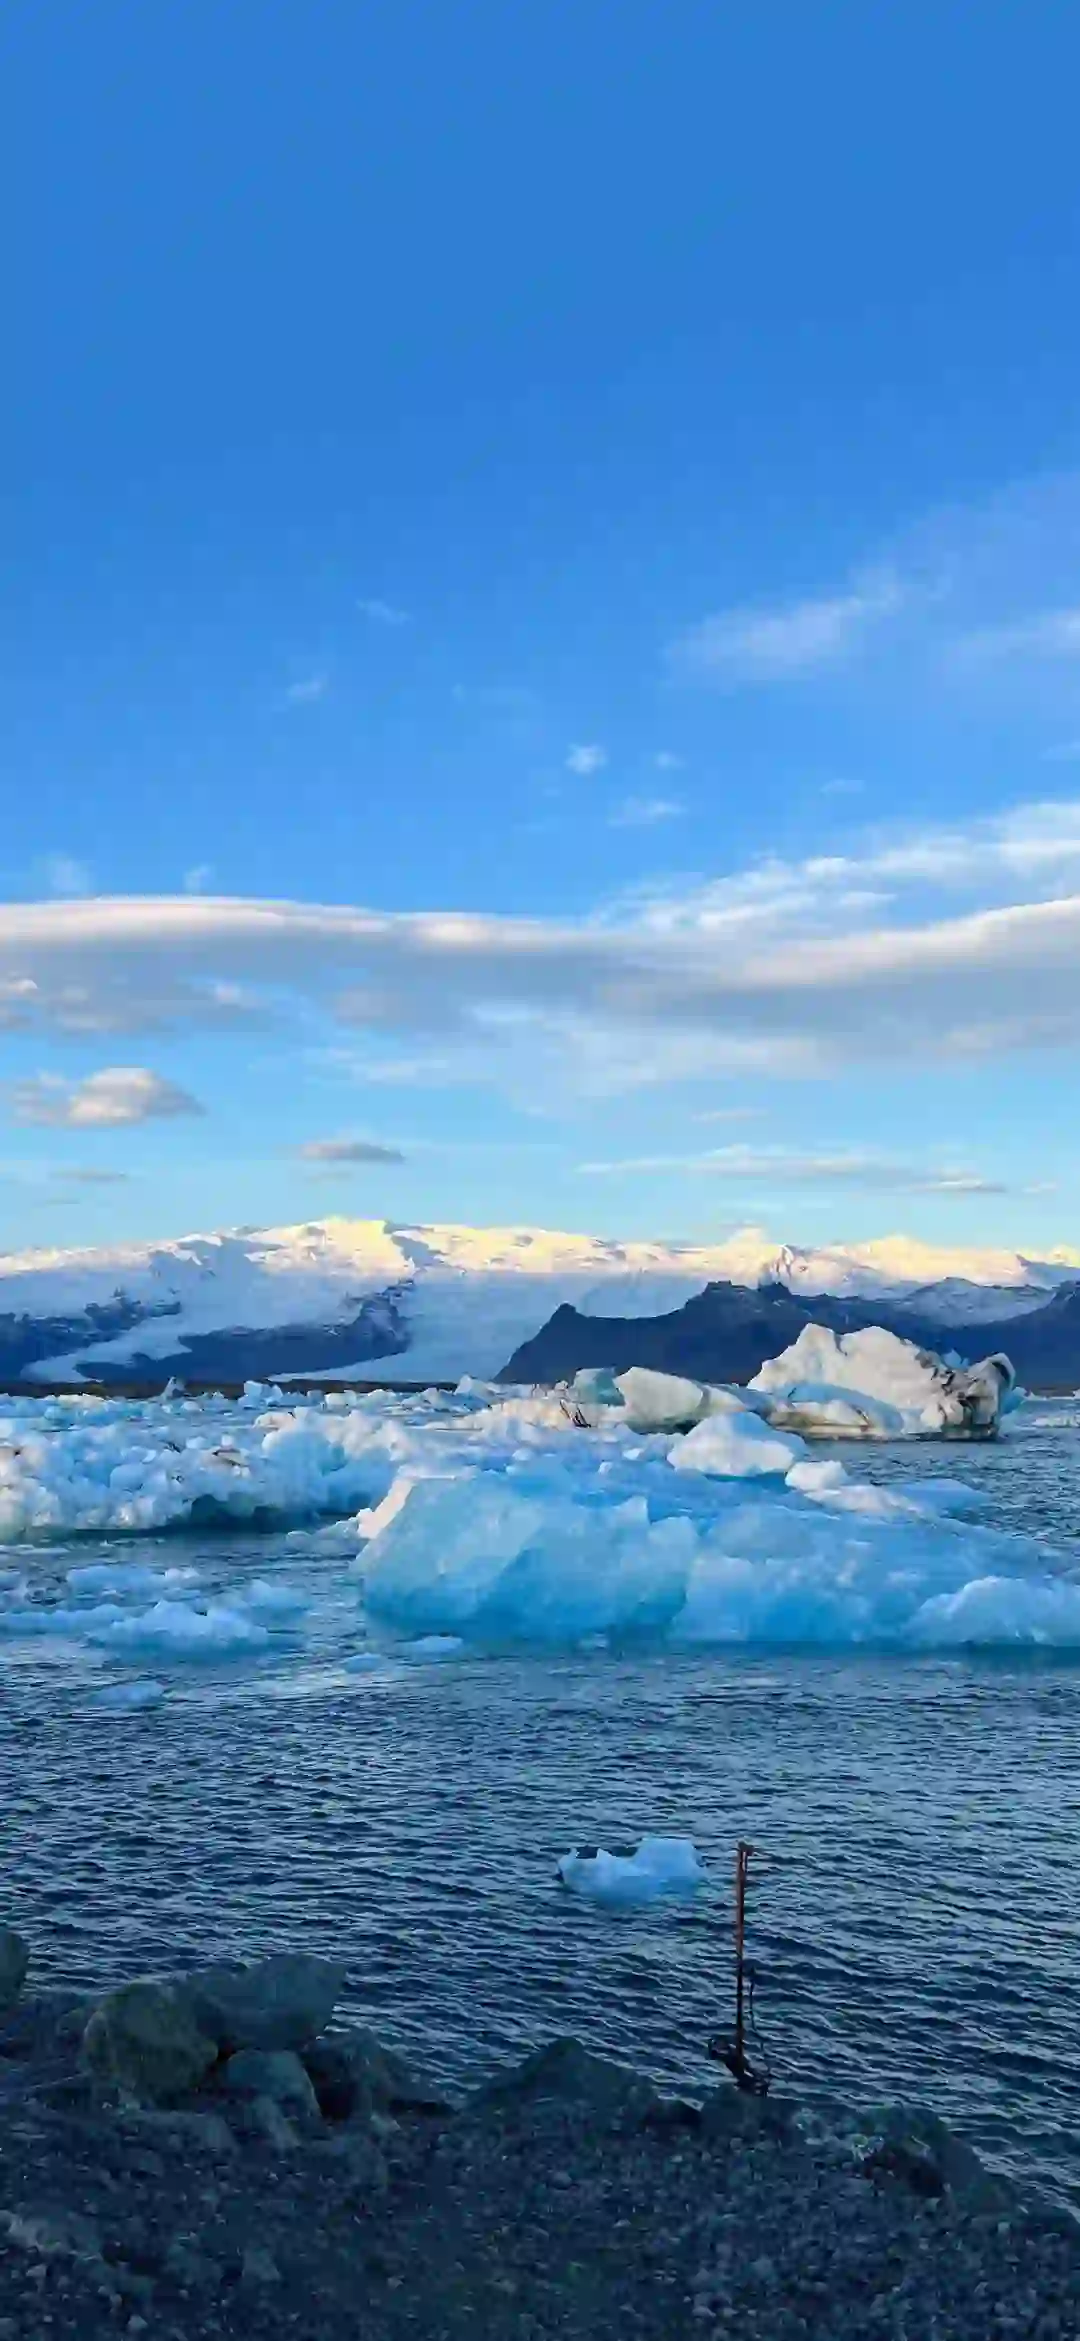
point(434, 1526)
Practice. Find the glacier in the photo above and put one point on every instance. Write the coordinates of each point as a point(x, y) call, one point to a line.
point(337, 1295)
point(431, 1526)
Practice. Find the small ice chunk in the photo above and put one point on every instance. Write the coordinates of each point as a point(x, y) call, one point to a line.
point(661, 1868)
point(660, 1402)
point(129, 1698)
point(432, 1646)
point(275, 1600)
point(127, 1577)
point(815, 1477)
point(172, 1630)
point(737, 1446)
point(364, 1662)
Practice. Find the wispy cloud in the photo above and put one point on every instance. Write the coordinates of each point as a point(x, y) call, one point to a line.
point(344, 1151)
point(81, 1175)
point(759, 644)
point(766, 1167)
point(1049, 634)
point(64, 875)
point(384, 613)
point(645, 812)
point(114, 1098)
point(665, 760)
point(586, 757)
point(198, 879)
point(307, 690)
point(730, 1113)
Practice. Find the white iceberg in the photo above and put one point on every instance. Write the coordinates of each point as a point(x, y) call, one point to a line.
point(874, 1385)
point(661, 1868)
point(737, 1445)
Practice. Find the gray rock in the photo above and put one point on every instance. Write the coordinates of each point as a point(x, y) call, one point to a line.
point(258, 2266)
point(355, 2077)
point(281, 2002)
point(565, 2073)
point(52, 2235)
point(14, 1961)
point(273, 2073)
point(144, 2038)
point(924, 2153)
point(266, 2122)
point(186, 2133)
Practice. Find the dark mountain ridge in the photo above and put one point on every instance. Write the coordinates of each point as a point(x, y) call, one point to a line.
point(726, 1332)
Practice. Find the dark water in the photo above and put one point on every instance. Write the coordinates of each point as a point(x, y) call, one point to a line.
point(917, 1935)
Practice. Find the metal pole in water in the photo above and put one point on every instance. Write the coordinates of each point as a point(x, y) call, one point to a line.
point(732, 2053)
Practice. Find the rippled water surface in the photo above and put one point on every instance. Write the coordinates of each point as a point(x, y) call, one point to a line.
point(918, 1933)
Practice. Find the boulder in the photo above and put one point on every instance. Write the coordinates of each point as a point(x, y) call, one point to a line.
point(917, 2149)
point(355, 2076)
point(14, 1961)
point(610, 2096)
point(277, 2003)
point(264, 2121)
point(144, 2038)
point(274, 2073)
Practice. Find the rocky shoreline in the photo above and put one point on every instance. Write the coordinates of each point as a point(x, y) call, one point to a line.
point(211, 2155)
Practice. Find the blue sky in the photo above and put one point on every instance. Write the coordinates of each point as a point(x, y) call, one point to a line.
point(610, 471)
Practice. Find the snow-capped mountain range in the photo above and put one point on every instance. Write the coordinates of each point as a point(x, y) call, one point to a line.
point(338, 1295)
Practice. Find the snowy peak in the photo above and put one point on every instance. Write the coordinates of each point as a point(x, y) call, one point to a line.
point(333, 1295)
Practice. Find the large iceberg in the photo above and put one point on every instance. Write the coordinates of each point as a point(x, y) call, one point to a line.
point(866, 1385)
point(873, 1385)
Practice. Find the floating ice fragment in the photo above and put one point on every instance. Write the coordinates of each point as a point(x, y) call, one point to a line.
point(737, 1446)
point(173, 1630)
point(129, 1698)
point(661, 1868)
point(275, 1600)
point(432, 1646)
point(128, 1577)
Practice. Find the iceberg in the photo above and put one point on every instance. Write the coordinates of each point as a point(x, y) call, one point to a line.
point(874, 1385)
point(661, 1868)
point(494, 1522)
point(737, 1445)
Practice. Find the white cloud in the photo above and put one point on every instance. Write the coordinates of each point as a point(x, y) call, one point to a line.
point(586, 757)
point(349, 1150)
point(782, 644)
point(116, 1097)
point(1049, 634)
point(765, 1166)
point(384, 613)
point(730, 1113)
point(948, 945)
point(64, 875)
point(645, 812)
point(307, 690)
